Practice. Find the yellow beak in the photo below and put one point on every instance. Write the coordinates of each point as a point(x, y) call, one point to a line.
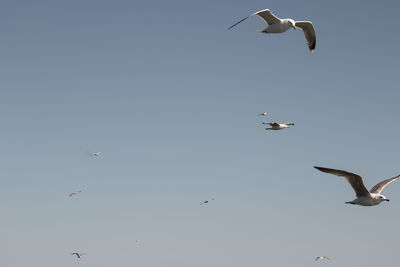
point(294, 27)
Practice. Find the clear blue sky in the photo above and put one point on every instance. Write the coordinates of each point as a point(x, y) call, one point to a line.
point(170, 98)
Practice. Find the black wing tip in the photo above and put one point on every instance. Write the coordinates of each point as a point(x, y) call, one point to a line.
point(312, 47)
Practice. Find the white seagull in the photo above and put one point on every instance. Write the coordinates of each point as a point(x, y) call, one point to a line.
point(364, 197)
point(262, 114)
point(79, 255)
point(322, 258)
point(277, 25)
point(277, 126)
point(74, 193)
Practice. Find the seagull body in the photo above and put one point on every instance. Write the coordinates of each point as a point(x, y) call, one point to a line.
point(364, 197)
point(206, 201)
point(262, 114)
point(79, 255)
point(277, 25)
point(322, 258)
point(95, 154)
point(74, 193)
point(277, 126)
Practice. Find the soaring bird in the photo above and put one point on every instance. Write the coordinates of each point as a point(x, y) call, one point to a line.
point(262, 114)
point(95, 154)
point(79, 255)
point(277, 126)
point(322, 258)
point(74, 193)
point(206, 201)
point(277, 25)
point(364, 197)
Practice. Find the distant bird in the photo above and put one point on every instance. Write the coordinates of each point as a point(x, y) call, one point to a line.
point(322, 258)
point(364, 197)
point(74, 193)
point(79, 255)
point(95, 154)
point(277, 126)
point(206, 201)
point(262, 114)
point(277, 25)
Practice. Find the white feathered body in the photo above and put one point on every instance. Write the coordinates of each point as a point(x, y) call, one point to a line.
point(372, 200)
point(285, 25)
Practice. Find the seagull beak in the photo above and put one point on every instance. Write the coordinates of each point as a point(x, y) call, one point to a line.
point(387, 199)
point(294, 27)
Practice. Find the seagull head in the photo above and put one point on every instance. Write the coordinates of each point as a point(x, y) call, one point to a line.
point(383, 198)
point(292, 23)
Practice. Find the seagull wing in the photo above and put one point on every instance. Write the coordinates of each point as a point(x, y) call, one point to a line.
point(267, 16)
point(354, 180)
point(264, 14)
point(274, 124)
point(309, 33)
point(379, 187)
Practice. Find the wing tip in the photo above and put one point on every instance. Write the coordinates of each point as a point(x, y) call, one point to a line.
point(322, 169)
point(312, 47)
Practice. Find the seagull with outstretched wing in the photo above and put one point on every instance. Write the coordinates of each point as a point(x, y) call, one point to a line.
point(363, 196)
point(277, 25)
point(277, 126)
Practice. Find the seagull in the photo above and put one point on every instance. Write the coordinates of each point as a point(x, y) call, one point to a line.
point(364, 197)
point(79, 255)
point(74, 193)
point(262, 114)
point(95, 154)
point(322, 258)
point(277, 25)
point(206, 201)
point(277, 126)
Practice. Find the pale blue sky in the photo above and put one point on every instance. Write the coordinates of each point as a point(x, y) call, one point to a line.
point(170, 98)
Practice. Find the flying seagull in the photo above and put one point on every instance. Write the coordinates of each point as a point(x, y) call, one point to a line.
point(206, 201)
point(322, 258)
point(277, 25)
point(262, 114)
point(74, 193)
point(95, 154)
point(364, 197)
point(277, 126)
point(79, 255)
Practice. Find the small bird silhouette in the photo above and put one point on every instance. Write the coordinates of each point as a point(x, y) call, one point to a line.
point(78, 255)
point(206, 201)
point(277, 126)
point(322, 258)
point(74, 193)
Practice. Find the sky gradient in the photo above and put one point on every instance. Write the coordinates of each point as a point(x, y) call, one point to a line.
point(171, 98)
